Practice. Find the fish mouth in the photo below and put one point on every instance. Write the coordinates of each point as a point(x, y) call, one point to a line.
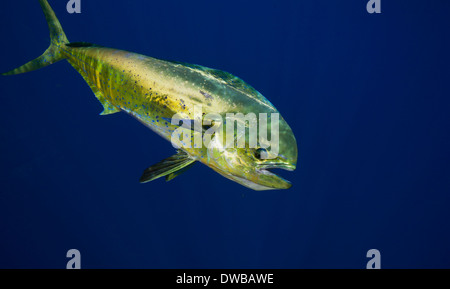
point(268, 180)
point(283, 166)
point(262, 178)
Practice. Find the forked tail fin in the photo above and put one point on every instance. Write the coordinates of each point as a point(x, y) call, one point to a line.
point(53, 53)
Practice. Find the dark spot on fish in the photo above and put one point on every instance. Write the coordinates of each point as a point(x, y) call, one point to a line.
point(206, 95)
point(80, 44)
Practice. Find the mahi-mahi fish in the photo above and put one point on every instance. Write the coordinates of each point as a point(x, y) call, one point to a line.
point(153, 91)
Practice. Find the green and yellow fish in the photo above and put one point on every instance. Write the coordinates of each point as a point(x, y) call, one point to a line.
point(153, 91)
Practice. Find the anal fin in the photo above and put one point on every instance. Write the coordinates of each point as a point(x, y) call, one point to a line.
point(108, 108)
point(169, 168)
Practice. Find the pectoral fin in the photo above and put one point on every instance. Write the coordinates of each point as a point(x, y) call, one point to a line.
point(179, 172)
point(170, 167)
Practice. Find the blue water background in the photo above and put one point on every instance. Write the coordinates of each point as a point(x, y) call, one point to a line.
point(367, 96)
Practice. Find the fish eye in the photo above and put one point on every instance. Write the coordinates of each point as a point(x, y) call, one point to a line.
point(258, 153)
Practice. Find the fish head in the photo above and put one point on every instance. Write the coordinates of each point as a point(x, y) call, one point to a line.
point(251, 165)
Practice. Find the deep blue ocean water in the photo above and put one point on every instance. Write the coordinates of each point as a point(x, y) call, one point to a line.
point(367, 96)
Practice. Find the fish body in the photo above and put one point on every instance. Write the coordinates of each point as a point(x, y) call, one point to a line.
point(153, 91)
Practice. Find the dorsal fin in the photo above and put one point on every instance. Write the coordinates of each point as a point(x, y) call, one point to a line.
point(229, 79)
